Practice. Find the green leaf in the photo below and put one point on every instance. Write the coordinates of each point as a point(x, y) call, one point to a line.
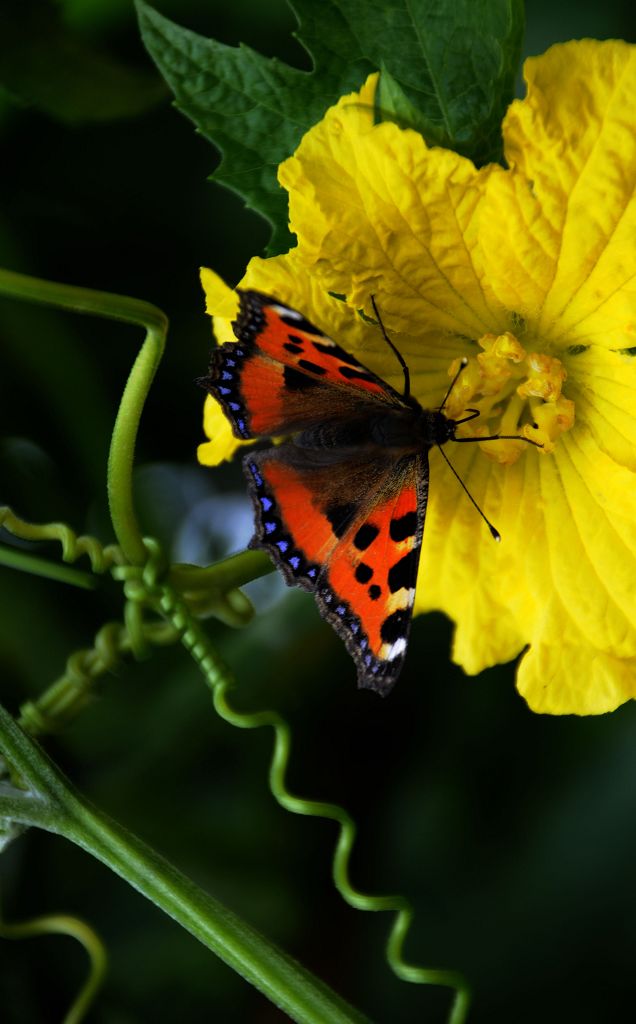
point(449, 68)
point(449, 65)
point(44, 64)
point(256, 109)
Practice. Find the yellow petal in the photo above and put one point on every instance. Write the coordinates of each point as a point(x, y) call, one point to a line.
point(463, 571)
point(583, 636)
point(572, 678)
point(603, 387)
point(221, 443)
point(519, 245)
point(378, 213)
point(562, 577)
point(589, 558)
point(573, 142)
point(220, 299)
point(221, 303)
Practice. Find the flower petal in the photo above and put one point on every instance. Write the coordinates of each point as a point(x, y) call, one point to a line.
point(463, 571)
point(572, 678)
point(519, 246)
point(583, 644)
point(573, 141)
point(563, 576)
point(603, 387)
point(590, 555)
point(378, 213)
point(221, 444)
point(221, 302)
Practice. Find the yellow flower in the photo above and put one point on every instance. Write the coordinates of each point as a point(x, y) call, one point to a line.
point(530, 272)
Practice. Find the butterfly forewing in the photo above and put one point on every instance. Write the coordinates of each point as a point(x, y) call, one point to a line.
point(283, 374)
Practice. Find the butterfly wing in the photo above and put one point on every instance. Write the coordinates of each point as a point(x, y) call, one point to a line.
point(350, 531)
point(283, 375)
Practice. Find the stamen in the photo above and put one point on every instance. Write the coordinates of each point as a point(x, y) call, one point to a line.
point(518, 395)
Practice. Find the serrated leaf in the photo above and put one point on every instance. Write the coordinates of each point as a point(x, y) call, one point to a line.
point(451, 65)
point(45, 65)
point(256, 109)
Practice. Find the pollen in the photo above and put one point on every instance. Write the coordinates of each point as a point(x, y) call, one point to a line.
point(518, 394)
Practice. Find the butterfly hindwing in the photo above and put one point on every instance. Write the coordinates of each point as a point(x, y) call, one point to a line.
point(283, 374)
point(350, 531)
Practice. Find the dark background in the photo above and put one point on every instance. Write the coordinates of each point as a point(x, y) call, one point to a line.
point(514, 835)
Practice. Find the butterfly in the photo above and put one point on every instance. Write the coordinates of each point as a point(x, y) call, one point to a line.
point(340, 505)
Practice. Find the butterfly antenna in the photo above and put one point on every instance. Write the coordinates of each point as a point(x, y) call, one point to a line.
point(495, 533)
point(405, 369)
point(462, 366)
point(494, 437)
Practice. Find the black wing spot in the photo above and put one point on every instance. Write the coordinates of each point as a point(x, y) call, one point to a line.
point(334, 350)
point(365, 536)
point(402, 574)
point(395, 626)
point(297, 381)
point(374, 591)
point(294, 344)
point(403, 527)
point(306, 364)
point(350, 373)
point(363, 573)
point(340, 516)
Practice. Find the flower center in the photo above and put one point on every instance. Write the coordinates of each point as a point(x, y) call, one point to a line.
point(516, 392)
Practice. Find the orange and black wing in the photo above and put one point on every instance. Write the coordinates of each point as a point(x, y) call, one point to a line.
point(350, 532)
point(283, 375)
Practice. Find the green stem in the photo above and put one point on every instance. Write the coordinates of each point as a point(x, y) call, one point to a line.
point(14, 558)
point(52, 804)
point(122, 450)
point(122, 446)
point(235, 571)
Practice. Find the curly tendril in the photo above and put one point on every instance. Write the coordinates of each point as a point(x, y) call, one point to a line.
point(102, 558)
point(146, 586)
point(76, 686)
point(64, 924)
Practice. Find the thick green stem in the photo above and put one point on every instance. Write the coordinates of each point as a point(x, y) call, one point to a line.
point(122, 450)
point(122, 447)
point(231, 572)
point(52, 804)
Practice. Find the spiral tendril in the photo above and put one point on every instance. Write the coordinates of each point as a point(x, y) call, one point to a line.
point(102, 558)
point(148, 586)
point(65, 924)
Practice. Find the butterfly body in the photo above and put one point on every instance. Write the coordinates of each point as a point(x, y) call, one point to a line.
point(401, 431)
point(340, 506)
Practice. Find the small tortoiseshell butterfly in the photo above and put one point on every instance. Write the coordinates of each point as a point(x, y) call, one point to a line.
point(340, 507)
